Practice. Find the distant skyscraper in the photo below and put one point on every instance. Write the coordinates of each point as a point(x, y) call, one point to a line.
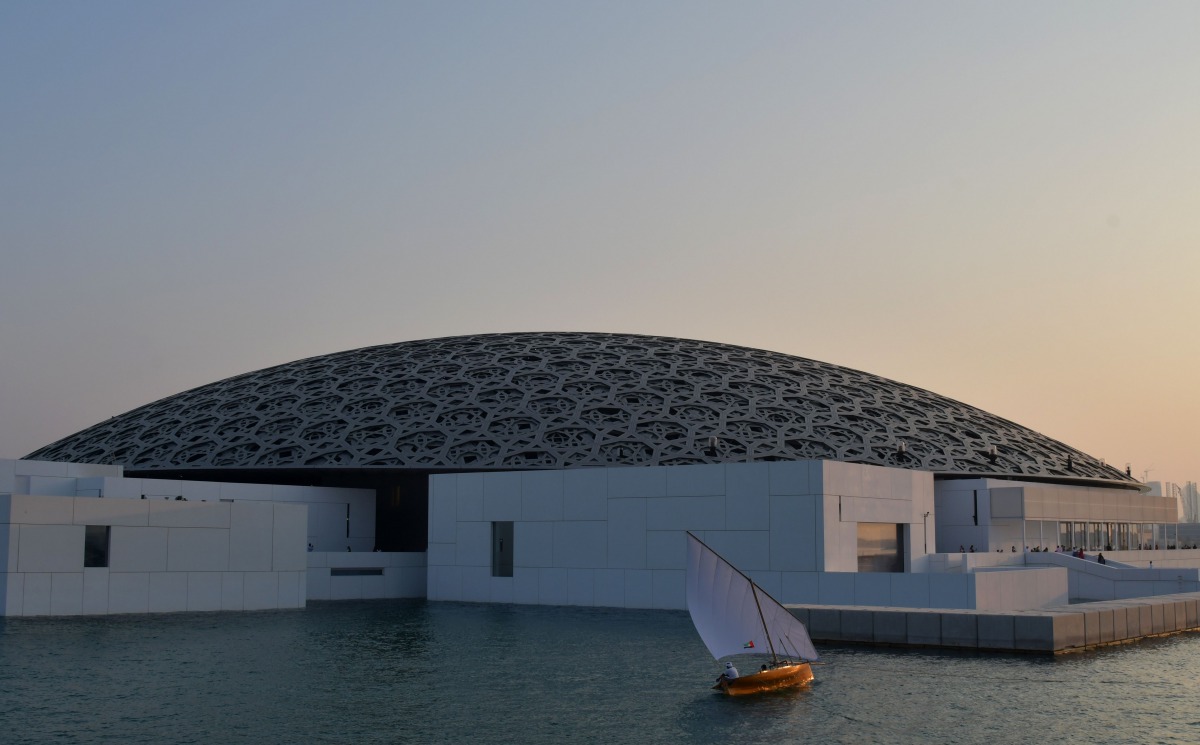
point(1172, 490)
point(1191, 502)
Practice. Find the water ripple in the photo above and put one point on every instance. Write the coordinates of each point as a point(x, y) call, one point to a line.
point(417, 672)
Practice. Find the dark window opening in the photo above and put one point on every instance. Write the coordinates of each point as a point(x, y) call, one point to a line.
point(345, 572)
point(502, 549)
point(95, 545)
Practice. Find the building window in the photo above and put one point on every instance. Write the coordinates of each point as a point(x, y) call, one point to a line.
point(502, 549)
point(880, 547)
point(95, 545)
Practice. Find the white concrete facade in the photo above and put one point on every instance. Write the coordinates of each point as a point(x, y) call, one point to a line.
point(366, 576)
point(173, 545)
point(994, 514)
point(612, 537)
point(616, 536)
point(163, 556)
point(338, 518)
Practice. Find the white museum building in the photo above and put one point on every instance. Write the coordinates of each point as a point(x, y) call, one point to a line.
point(565, 469)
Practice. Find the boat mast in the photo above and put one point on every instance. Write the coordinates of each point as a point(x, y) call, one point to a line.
point(763, 621)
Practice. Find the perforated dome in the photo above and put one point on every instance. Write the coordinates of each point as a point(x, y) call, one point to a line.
point(553, 400)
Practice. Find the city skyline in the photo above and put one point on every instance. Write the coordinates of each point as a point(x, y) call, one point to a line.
point(995, 204)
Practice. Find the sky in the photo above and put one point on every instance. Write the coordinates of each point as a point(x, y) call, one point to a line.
point(997, 202)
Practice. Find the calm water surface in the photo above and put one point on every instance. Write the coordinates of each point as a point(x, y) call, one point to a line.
point(417, 672)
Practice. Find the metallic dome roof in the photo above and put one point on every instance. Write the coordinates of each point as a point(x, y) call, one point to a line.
point(552, 400)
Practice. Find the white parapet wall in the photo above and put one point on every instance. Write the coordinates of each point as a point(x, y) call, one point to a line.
point(1092, 581)
point(1003, 588)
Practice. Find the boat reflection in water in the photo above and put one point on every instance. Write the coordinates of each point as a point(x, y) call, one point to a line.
point(736, 617)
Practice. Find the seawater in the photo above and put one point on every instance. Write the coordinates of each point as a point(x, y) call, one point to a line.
point(420, 672)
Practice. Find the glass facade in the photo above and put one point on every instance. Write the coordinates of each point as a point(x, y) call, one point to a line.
point(880, 547)
point(1099, 536)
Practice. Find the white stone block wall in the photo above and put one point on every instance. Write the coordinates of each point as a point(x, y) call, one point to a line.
point(962, 507)
point(616, 536)
point(16, 476)
point(331, 510)
point(164, 556)
point(1020, 589)
point(403, 575)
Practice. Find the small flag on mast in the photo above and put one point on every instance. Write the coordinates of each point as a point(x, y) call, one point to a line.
point(748, 645)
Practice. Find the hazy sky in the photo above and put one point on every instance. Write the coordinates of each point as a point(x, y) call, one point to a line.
point(999, 202)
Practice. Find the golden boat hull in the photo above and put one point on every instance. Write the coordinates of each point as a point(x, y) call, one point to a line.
point(783, 676)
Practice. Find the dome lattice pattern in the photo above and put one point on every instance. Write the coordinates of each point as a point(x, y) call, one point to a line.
point(553, 400)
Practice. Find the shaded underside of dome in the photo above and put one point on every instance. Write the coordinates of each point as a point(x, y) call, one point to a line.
point(555, 400)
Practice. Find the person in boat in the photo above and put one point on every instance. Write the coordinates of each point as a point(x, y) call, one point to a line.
point(730, 672)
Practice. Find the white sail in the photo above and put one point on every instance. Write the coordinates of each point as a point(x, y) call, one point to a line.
point(722, 603)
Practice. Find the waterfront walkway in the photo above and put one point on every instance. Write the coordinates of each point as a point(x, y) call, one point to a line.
point(1063, 628)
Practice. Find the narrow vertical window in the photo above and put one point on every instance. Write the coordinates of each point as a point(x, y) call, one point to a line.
point(95, 545)
point(502, 549)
